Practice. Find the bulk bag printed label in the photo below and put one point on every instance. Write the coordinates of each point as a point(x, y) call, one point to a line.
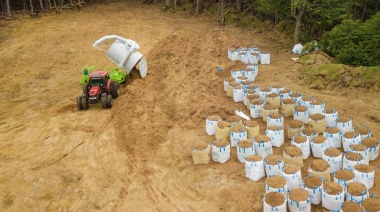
point(254, 167)
point(221, 151)
point(211, 122)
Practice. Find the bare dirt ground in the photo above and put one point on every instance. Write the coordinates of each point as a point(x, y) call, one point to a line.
point(137, 155)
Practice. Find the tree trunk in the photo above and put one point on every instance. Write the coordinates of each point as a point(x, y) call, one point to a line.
point(298, 7)
point(167, 3)
point(8, 8)
point(197, 8)
point(42, 5)
point(297, 31)
point(238, 5)
point(222, 12)
point(48, 5)
point(31, 6)
point(364, 9)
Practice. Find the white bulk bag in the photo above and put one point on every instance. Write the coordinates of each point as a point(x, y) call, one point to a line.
point(347, 142)
point(302, 206)
point(263, 147)
point(349, 164)
point(254, 170)
point(276, 120)
point(331, 117)
point(332, 202)
point(334, 139)
point(211, 122)
point(293, 180)
point(335, 163)
point(238, 94)
point(367, 178)
point(265, 59)
point(236, 73)
point(243, 57)
point(253, 58)
point(276, 135)
point(344, 125)
point(275, 169)
point(301, 115)
point(297, 49)
point(256, 108)
point(318, 148)
point(316, 107)
point(269, 208)
point(233, 55)
point(254, 68)
point(364, 153)
point(235, 137)
point(242, 152)
point(314, 193)
point(250, 74)
point(220, 154)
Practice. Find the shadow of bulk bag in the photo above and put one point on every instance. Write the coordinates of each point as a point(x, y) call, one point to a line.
point(211, 122)
point(222, 130)
point(254, 167)
point(221, 151)
point(201, 152)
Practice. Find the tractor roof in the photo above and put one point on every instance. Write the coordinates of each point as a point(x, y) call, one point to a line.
point(98, 74)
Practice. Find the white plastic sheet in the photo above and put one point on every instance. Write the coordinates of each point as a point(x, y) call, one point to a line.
point(297, 49)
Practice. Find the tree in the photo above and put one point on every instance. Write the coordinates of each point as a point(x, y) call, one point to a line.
point(8, 8)
point(298, 8)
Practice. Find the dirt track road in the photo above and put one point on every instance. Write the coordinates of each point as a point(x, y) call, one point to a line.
point(137, 155)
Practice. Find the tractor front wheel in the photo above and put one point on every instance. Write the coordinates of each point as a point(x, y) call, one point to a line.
point(84, 102)
point(79, 104)
point(109, 101)
point(115, 89)
point(86, 88)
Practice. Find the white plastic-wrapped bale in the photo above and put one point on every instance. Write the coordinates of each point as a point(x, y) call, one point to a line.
point(331, 116)
point(373, 145)
point(334, 136)
point(318, 145)
point(334, 158)
point(221, 150)
point(245, 148)
point(254, 167)
point(293, 155)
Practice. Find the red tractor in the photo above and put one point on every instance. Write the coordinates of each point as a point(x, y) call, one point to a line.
point(98, 88)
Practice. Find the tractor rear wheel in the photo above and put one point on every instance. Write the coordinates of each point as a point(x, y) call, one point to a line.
point(79, 104)
point(86, 88)
point(109, 101)
point(103, 98)
point(115, 89)
point(84, 102)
